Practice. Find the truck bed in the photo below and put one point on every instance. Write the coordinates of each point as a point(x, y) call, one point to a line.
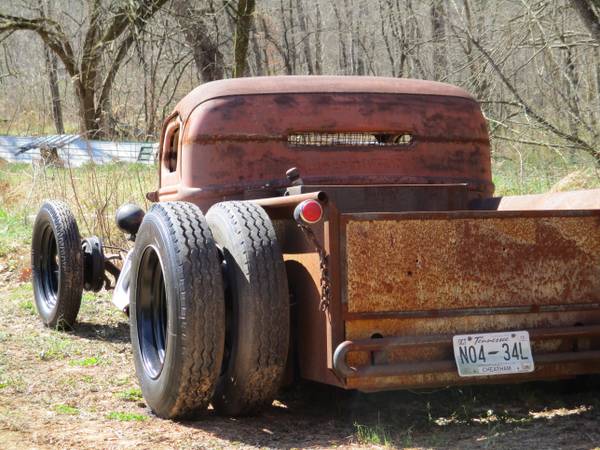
point(416, 279)
point(412, 266)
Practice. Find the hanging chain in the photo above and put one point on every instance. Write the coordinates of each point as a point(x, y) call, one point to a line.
point(323, 268)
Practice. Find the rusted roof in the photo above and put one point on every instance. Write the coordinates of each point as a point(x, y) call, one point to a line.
point(313, 85)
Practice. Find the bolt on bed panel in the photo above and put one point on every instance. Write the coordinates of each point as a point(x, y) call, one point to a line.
point(444, 261)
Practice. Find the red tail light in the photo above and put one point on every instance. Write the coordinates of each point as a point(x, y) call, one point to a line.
point(309, 211)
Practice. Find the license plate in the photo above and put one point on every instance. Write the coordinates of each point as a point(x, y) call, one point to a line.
point(493, 353)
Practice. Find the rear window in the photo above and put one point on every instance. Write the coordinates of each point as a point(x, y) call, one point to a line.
point(350, 139)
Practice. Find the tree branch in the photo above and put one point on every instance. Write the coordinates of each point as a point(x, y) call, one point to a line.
point(49, 31)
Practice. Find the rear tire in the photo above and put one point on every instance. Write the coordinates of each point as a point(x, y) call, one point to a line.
point(57, 265)
point(257, 301)
point(176, 310)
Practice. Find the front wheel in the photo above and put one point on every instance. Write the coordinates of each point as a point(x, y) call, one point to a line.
point(177, 310)
point(57, 265)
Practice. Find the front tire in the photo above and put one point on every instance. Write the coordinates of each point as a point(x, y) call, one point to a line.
point(177, 310)
point(57, 265)
point(257, 308)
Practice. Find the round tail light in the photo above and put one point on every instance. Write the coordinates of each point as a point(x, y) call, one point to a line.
point(308, 211)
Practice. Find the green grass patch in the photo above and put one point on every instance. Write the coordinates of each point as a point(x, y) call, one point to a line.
point(16, 383)
point(66, 410)
point(122, 381)
point(372, 435)
point(126, 416)
point(15, 232)
point(90, 191)
point(21, 293)
point(86, 362)
point(131, 395)
point(28, 307)
point(54, 347)
point(87, 379)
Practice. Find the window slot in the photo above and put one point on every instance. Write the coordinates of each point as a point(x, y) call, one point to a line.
point(349, 139)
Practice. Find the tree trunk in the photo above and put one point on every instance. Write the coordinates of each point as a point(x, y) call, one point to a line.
point(438, 36)
point(589, 11)
point(318, 43)
point(89, 127)
point(51, 68)
point(51, 62)
point(343, 54)
point(124, 21)
point(257, 52)
point(245, 11)
point(305, 37)
point(205, 50)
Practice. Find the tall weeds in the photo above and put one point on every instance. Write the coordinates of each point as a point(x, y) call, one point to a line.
point(94, 192)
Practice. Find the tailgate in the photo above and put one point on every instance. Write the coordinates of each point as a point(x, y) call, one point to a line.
point(423, 277)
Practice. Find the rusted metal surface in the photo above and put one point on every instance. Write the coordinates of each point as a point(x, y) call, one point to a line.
point(412, 348)
point(290, 200)
point(360, 329)
point(546, 371)
point(428, 367)
point(467, 260)
point(393, 198)
point(225, 151)
point(310, 325)
point(571, 200)
point(312, 85)
point(552, 347)
point(283, 207)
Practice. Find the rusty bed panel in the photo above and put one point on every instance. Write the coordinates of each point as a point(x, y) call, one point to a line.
point(432, 261)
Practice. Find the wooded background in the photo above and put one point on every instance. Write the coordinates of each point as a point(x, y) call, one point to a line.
point(115, 69)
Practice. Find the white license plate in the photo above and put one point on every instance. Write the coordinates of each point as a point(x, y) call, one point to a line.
point(493, 353)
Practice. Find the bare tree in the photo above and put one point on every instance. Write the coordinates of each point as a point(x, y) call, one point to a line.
point(303, 22)
point(116, 24)
point(318, 41)
point(438, 37)
point(589, 11)
point(52, 70)
point(208, 57)
point(245, 12)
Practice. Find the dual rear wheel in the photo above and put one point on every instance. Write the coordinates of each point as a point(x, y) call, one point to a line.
point(209, 309)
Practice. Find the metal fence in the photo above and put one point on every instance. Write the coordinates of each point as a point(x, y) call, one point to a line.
point(72, 150)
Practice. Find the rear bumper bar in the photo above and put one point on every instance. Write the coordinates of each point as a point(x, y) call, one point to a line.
point(343, 370)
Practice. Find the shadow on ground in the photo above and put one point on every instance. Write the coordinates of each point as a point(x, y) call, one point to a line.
point(116, 333)
point(532, 415)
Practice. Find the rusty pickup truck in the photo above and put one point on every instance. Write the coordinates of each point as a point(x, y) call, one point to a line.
point(342, 229)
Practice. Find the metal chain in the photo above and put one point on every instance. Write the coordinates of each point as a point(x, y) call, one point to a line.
point(325, 282)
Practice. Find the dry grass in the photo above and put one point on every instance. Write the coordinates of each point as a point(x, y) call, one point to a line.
point(578, 179)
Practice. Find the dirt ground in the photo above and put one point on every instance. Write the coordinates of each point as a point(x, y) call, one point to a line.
point(78, 390)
